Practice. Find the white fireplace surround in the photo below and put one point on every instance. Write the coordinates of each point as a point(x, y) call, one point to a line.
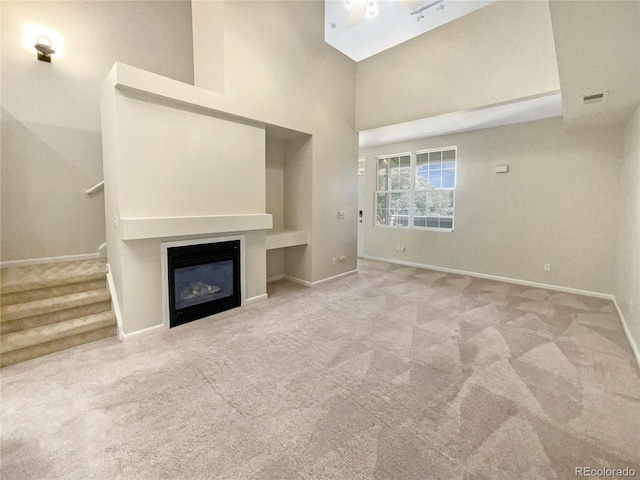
point(164, 246)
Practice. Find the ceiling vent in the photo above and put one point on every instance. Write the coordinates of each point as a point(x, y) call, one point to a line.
point(595, 98)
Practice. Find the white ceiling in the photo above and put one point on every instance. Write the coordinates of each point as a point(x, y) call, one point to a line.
point(393, 25)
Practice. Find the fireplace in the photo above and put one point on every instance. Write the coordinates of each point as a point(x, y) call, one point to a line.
point(202, 279)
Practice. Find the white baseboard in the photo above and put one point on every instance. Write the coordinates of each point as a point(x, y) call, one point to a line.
point(275, 278)
point(37, 261)
point(557, 288)
point(115, 306)
point(257, 298)
point(143, 332)
point(627, 332)
point(318, 282)
point(158, 328)
point(102, 250)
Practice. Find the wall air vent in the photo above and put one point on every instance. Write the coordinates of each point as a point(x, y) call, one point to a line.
point(594, 98)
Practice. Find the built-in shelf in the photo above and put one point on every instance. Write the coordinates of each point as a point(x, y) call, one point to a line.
point(285, 238)
point(164, 227)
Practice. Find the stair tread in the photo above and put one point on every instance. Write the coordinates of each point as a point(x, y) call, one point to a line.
point(17, 279)
point(45, 349)
point(48, 333)
point(54, 304)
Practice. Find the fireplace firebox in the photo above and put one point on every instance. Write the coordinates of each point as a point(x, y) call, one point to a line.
point(203, 279)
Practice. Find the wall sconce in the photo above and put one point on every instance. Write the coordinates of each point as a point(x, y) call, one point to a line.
point(43, 46)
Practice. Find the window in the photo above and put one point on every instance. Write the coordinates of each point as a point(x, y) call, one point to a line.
point(416, 189)
point(393, 191)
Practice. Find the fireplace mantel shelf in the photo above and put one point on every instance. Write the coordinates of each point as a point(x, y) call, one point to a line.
point(167, 227)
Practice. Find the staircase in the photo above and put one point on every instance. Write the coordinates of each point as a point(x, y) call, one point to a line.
point(51, 307)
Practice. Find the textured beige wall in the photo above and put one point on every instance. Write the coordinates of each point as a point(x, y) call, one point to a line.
point(208, 42)
point(174, 162)
point(275, 181)
point(51, 142)
point(558, 204)
point(277, 68)
point(275, 201)
point(628, 258)
point(498, 53)
point(298, 197)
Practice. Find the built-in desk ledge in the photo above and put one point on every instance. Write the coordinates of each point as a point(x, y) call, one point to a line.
point(285, 238)
point(163, 227)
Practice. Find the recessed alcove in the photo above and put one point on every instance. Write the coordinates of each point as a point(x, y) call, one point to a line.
point(288, 200)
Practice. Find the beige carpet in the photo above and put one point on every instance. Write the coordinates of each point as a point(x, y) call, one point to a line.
point(394, 373)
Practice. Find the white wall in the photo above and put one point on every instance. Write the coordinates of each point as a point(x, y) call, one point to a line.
point(558, 204)
point(628, 251)
point(501, 52)
point(278, 69)
point(51, 148)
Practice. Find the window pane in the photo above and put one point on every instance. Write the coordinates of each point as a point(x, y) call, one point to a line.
point(435, 178)
point(397, 182)
point(446, 203)
point(383, 166)
point(382, 210)
point(432, 222)
point(399, 173)
point(400, 201)
point(401, 220)
point(382, 182)
point(435, 160)
point(448, 178)
point(449, 159)
point(420, 204)
point(433, 203)
point(403, 179)
point(446, 222)
point(422, 178)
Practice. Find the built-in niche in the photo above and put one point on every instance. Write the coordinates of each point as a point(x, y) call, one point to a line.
point(288, 199)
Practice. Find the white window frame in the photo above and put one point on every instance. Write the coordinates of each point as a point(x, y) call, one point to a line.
point(412, 190)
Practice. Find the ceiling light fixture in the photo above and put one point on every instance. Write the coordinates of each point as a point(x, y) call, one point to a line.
point(372, 9)
point(419, 11)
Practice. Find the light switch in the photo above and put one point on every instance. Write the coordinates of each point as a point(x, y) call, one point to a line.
point(341, 214)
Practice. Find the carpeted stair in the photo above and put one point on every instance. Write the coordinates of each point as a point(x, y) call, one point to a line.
point(50, 307)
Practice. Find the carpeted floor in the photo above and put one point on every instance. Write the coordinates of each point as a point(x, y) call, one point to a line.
point(394, 373)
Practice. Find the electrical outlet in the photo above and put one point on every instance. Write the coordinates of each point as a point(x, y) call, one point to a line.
point(402, 248)
point(333, 261)
point(343, 258)
point(115, 221)
point(547, 267)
